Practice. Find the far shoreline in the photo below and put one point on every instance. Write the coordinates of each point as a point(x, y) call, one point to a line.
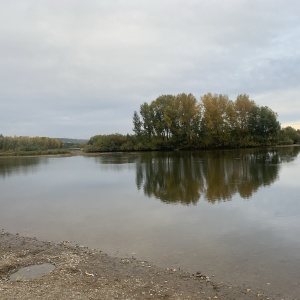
point(80, 152)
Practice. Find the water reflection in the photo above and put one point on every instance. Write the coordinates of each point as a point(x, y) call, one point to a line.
point(116, 158)
point(183, 177)
point(94, 201)
point(116, 161)
point(23, 165)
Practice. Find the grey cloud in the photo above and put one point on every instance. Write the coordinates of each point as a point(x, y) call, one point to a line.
point(87, 62)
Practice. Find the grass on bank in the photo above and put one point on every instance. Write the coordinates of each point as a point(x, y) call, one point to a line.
point(35, 152)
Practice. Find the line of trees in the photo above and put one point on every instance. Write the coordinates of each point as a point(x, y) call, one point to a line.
point(289, 136)
point(25, 143)
point(182, 122)
point(213, 122)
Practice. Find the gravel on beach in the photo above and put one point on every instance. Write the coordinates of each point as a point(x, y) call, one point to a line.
point(82, 273)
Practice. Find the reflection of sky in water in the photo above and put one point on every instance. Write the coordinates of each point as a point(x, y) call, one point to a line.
point(96, 204)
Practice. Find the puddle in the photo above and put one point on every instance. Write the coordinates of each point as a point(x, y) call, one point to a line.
point(32, 272)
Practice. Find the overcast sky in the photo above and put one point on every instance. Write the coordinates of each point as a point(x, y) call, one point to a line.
point(72, 68)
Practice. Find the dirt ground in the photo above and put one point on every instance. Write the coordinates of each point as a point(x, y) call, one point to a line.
point(82, 273)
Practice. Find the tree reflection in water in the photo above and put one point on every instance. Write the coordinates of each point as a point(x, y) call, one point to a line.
point(16, 165)
point(183, 177)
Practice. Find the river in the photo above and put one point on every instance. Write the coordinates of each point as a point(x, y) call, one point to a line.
point(232, 214)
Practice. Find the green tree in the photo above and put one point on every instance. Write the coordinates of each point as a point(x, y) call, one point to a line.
point(137, 124)
point(289, 135)
point(146, 112)
point(106, 143)
point(1, 141)
point(163, 115)
point(263, 125)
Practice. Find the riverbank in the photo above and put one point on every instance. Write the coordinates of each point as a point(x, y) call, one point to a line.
point(41, 153)
point(79, 151)
point(82, 273)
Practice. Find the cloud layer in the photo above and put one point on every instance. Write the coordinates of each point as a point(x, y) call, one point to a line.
point(78, 68)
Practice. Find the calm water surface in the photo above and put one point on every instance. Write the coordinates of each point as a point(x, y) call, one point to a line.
point(231, 214)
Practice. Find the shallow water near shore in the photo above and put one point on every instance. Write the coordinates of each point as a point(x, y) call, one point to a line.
point(232, 214)
point(32, 272)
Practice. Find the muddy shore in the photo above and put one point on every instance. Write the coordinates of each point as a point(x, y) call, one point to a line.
point(82, 273)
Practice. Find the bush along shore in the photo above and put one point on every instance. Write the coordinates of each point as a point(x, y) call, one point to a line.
point(33, 269)
point(36, 153)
